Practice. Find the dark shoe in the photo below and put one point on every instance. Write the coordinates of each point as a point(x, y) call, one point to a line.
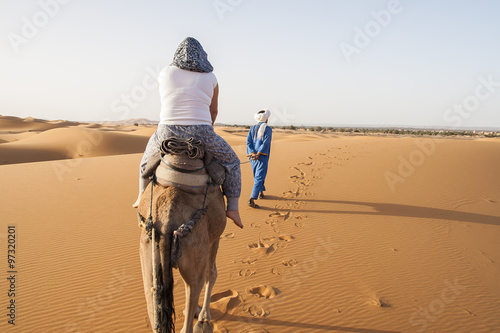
point(261, 195)
point(252, 203)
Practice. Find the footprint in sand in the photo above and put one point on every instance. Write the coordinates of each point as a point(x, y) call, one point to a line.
point(304, 163)
point(264, 291)
point(227, 236)
point(299, 224)
point(257, 311)
point(283, 215)
point(291, 194)
point(263, 248)
point(249, 260)
point(277, 271)
point(255, 225)
point(226, 301)
point(272, 222)
point(301, 217)
point(290, 263)
point(380, 302)
point(302, 173)
point(246, 272)
point(286, 238)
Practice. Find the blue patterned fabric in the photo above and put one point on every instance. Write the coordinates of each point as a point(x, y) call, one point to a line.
point(190, 56)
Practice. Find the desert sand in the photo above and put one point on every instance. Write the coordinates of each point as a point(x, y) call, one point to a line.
point(355, 234)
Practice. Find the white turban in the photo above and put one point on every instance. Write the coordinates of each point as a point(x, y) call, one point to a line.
point(262, 116)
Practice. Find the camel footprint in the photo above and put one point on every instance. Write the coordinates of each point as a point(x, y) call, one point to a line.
point(264, 291)
point(226, 301)
point(284, 215)
point(257, 311)
point(249, 260)
point(246, 272)
point(286, 238)
point(263, 248)
point(290, 263)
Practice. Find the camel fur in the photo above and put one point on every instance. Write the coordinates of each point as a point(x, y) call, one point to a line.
point(171, 208)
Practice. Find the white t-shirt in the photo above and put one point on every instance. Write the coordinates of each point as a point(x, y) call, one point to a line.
point(185, 96)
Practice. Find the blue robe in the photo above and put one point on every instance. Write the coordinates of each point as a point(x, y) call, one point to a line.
point(263, 148)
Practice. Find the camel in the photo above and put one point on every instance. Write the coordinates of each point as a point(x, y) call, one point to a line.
point(171, 207)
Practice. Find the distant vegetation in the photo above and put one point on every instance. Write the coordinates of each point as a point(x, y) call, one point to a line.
point(382, 131)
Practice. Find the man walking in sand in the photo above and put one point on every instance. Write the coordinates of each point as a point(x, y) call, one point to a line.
point(258, 149)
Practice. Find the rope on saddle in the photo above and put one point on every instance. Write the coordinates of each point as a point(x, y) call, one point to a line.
point(191, 147)
point(184, 230)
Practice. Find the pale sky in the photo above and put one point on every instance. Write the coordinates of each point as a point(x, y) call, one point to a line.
point(317, 62)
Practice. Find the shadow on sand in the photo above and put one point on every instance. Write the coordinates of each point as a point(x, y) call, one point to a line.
point(388, 209)
point(266, 322)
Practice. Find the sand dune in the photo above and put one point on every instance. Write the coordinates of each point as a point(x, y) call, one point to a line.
point(62, 140)
point(356, 234)
point(14, 124)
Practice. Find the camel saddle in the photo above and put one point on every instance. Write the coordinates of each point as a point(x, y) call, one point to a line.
point(185, 164)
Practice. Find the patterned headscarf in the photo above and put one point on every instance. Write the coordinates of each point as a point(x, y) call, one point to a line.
point(191, 56)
